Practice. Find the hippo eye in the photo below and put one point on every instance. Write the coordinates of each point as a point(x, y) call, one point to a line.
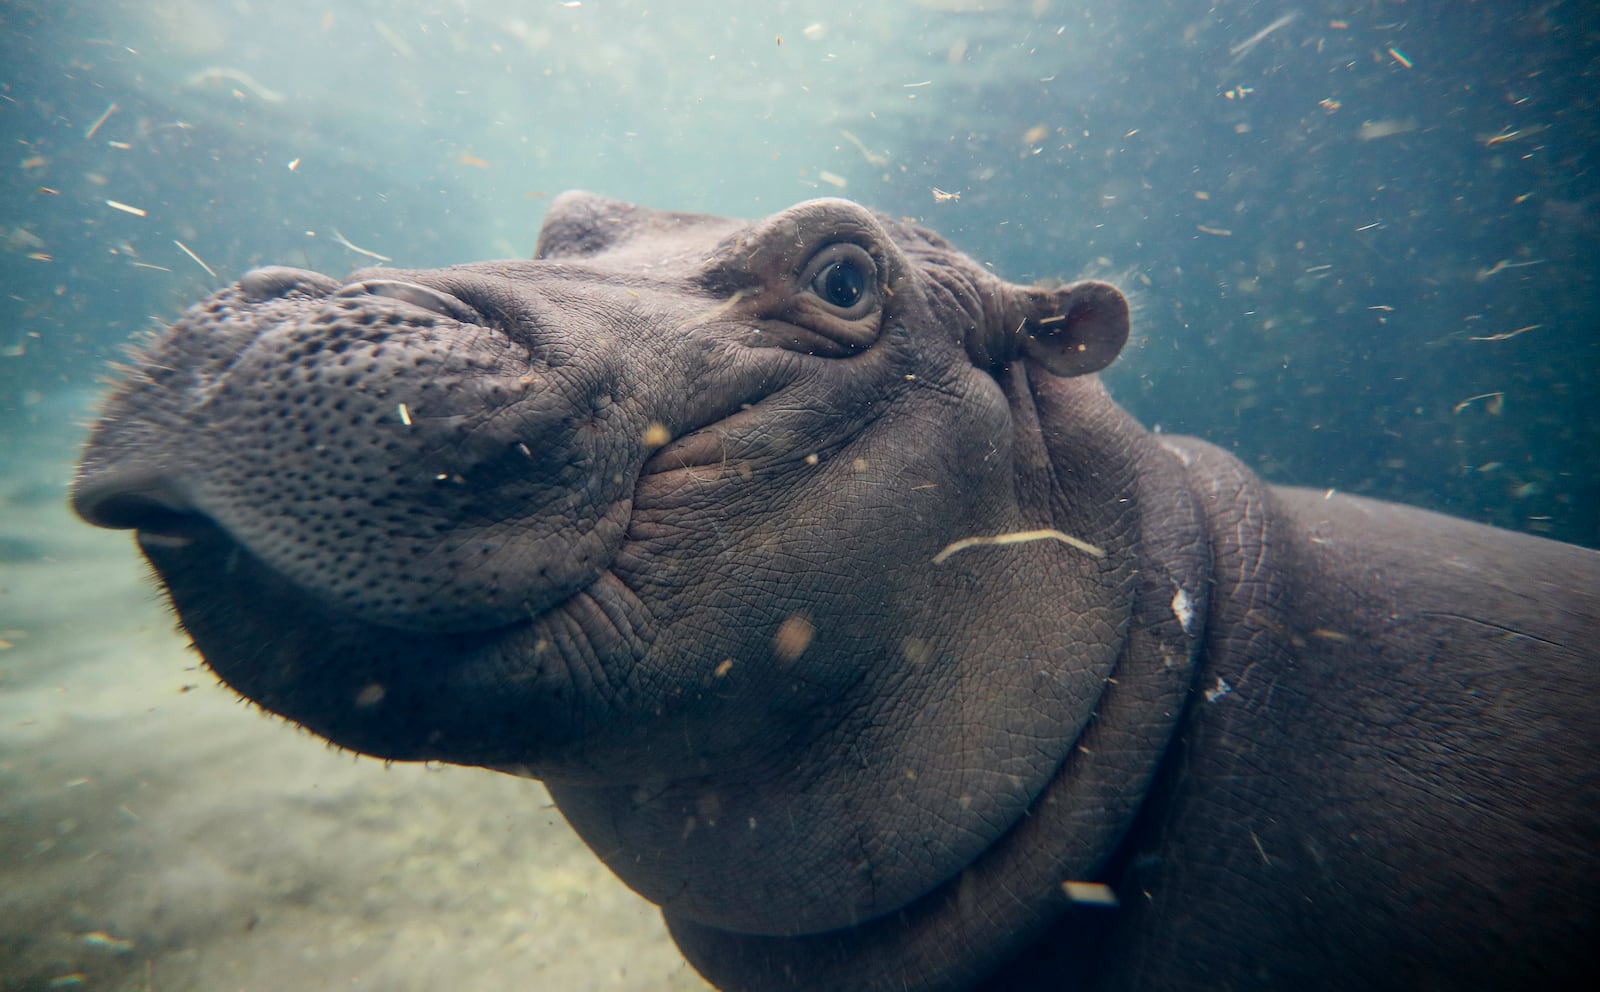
point(841, 284)
point(843, 276)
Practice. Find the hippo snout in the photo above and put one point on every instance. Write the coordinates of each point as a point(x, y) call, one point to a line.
point(403, 452)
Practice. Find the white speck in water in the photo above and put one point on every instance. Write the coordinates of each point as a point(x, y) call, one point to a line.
point(1216, 692)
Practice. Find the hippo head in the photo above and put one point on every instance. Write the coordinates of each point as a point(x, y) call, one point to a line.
point(792, 555)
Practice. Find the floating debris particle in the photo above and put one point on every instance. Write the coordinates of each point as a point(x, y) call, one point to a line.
point(197, 259)
point(942, 196)
point(793, 637)
point(1509, 134)
point(1503, 265)
point(872, 157)
point(656, 435)
point(1259, 849)
point(723, 668)
point(359, 251)
point(405, 414)
point(1220, 232)
point(1244, 46)
point(833, 178)
point(1216, 692)
point(1495, 404)
point(1400, 57)
point(294, 164)
point(1373, 130)
point(237, 81)
point(402, 47)
point(99, 938)
point(1090, 893)
point(1183, 609)
point(917, 85)
point(98, 121)
point(1508, 335)
point(127, 208)
point(1019, 537)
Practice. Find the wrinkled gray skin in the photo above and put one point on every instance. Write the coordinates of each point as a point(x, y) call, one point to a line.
point(655, 517)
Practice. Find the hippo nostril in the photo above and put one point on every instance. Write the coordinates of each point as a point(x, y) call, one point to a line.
point(143, 515)
point(415, 294)
point(156, 513)
point(133, 503)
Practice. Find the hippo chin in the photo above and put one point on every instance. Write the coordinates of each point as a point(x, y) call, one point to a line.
point(849, 620)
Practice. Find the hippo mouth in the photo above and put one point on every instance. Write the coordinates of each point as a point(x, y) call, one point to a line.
point(462, 696)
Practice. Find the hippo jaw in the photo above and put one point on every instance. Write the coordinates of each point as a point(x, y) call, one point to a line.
point(654, 517)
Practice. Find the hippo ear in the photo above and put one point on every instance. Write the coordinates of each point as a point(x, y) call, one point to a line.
point(1073, 330)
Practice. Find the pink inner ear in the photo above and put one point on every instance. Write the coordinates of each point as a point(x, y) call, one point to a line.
point(1076, 330)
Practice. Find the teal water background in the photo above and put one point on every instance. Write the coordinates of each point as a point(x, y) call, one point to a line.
point(1331, 216)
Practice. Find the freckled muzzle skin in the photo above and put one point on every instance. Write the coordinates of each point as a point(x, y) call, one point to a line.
point(383, 447)
point(676, 516)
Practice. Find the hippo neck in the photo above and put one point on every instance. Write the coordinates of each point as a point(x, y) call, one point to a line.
point(1013, 894)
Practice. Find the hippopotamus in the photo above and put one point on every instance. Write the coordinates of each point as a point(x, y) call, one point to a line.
point(848, 619)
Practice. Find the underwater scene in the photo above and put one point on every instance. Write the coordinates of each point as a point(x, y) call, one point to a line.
point(1357, 241)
